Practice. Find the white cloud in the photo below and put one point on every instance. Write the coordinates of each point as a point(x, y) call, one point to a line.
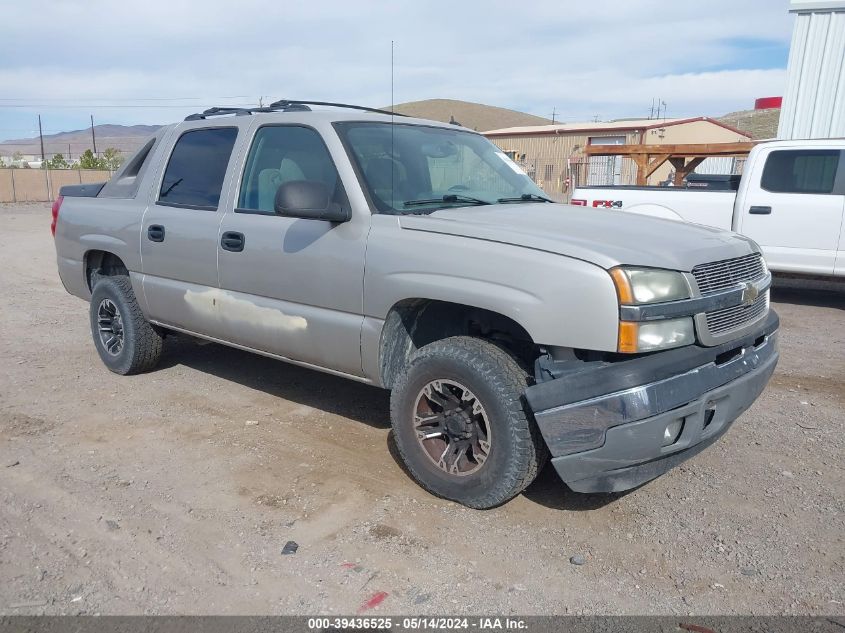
point(603, 58)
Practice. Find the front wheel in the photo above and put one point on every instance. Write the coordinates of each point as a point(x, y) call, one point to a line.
point(460, 425)
point(126, 342)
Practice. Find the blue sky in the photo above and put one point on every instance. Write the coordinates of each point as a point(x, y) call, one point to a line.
point(156, 62)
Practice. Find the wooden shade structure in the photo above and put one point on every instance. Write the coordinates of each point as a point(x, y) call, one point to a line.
point(684, 158)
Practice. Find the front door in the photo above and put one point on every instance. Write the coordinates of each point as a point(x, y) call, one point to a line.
point(292, 287)
point(179, 234)
point(795, 214)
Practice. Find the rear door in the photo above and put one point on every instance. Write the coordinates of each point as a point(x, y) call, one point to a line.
point(795, 211)
point(292, 287)
point(179, 234)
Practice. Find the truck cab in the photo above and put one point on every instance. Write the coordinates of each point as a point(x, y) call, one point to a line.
point(791, 201)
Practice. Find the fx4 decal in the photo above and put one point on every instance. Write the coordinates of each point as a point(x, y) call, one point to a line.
point(607, 204)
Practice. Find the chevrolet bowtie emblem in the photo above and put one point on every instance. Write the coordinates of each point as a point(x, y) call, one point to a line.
point(749, 293)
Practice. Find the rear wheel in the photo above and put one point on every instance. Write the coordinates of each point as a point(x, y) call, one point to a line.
point(126, 342)
point(460, 425)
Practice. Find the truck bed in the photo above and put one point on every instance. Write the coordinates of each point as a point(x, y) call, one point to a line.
point(710, 207)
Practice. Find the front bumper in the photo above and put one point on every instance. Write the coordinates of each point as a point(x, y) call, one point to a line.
point(605, 426)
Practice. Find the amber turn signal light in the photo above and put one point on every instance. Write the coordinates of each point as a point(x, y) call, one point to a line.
point(623, 286)
point(628, 337)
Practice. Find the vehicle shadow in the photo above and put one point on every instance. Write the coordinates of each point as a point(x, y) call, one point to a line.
point(308, 387)
point(347, 398)
point(814, 293)
point(548, 490)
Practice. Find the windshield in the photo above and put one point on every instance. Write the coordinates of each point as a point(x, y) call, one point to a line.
point(418, 169)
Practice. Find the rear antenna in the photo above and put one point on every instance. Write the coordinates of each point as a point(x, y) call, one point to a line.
point(391, 75)
point(392, 150)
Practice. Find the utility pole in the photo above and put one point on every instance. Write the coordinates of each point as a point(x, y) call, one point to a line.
point(93, 136)
point(41, 137)
point(554, 114)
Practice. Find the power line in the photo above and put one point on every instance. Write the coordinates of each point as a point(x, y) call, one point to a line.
point(112, 105)
point(122, 98)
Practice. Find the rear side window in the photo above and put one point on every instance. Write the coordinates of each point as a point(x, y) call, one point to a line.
point(197, 167)
point(127, 180)
point(800, 171)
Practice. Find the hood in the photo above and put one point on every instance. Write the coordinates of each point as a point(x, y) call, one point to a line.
point(602, 237)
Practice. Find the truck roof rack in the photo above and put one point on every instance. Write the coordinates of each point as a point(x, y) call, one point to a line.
point(283, 105)
point(286, 103)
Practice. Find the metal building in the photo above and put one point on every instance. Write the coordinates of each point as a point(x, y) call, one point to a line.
point(814, 101)
point(553, 155)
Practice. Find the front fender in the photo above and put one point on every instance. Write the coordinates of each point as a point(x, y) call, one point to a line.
point(559, 301)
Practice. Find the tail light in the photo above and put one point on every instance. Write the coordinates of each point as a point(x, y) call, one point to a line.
point(55, 210)
point(578, 202)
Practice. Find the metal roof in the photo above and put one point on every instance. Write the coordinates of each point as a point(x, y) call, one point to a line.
point(799, 6)
point(604, 126)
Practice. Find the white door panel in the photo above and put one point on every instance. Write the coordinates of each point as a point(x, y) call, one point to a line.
point(791, 215)
point(839, 267)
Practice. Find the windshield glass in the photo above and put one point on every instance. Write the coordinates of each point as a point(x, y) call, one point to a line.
point(418, 169)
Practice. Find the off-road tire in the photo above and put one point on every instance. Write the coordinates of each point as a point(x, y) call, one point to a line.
point(142, 341)
point(517, 451)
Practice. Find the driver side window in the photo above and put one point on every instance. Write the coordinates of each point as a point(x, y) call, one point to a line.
point(281, 154)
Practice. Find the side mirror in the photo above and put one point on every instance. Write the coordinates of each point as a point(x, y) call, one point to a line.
point(310, 200)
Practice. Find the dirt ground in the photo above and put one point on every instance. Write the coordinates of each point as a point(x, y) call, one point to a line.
point(160, 494)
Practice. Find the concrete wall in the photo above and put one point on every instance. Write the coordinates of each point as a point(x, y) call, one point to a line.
point(814, 101)
point(42, 185)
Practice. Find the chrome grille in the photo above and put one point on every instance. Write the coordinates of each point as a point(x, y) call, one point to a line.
point(726, 320)
point(727, 273)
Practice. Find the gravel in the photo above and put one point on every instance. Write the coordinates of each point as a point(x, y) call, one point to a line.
point(203, 503)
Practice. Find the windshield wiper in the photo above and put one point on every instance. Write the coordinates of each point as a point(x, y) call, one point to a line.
point(449, 197)
point(526, 197)
point(170, 188)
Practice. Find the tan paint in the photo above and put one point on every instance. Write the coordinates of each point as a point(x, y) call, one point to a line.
point(42, 185)
point(692, 132)
point(550, 153)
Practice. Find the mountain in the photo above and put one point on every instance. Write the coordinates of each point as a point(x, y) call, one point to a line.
point(475, 116)
point(760, 124)
point(126, 138)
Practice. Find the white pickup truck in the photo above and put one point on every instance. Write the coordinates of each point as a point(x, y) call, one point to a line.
point(790, 200)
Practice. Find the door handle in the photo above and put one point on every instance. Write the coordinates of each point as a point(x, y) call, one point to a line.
point(232, 241)
point(760, 210)
point(155, 233)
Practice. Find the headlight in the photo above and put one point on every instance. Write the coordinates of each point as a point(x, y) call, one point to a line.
point(649, 336)
point(649, 285)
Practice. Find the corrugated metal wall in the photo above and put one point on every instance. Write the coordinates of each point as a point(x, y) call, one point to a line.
point(814, 101)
